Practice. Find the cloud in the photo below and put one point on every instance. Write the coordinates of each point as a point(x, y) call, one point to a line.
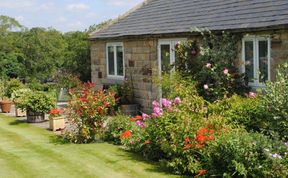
point(47, 6)
point(61, 19)
point(19, 18)
point(122, 2)
point(16, 4)
point(77, 7)
point(91, 15)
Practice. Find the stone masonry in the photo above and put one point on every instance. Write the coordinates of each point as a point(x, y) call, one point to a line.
point(140, 56)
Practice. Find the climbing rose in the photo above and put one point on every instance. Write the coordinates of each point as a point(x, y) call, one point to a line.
point(226, 71)
point(252, 95)
point(166, 103)
point(206, 87)
point(209, 65)
point(126, 134)
point(177, 100)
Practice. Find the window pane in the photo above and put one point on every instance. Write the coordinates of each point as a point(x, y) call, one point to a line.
point(263, 61)
point(249, 64)
point(111, 66)
point(120, 60)
point(165, 58)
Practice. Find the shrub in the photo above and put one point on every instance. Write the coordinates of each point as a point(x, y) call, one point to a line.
point(115, 126)
point(275, 102)
point(36, 101)
point(242, 154)
point(11, 86)
point(87, 112)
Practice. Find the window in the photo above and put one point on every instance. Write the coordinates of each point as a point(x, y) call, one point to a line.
point(167, 55)
point(256, 59)
point(115, 60)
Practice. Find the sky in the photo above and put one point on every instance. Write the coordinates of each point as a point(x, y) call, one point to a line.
point(64, 15)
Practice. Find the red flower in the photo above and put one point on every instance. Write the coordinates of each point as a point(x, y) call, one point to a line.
point(126, 134)
point(201, 172)
point(187, 139)
point(136, 118)
point(200, 138)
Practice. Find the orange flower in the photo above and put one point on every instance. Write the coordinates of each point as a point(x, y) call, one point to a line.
point(147, 142)
point(201, 172)
point(136, 118)
point(126, 134)
point(187, 139)
point(188, 146)
point(198, 146)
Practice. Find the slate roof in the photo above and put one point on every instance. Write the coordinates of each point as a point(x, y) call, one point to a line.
point(179, 16)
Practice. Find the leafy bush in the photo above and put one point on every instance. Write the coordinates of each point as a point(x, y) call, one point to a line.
point(275, 102)
point(11, 86)
point(115, 126)
point(36, 101)
point(242, 154)
point(87, 112)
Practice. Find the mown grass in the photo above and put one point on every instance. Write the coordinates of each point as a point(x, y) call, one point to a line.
point(28, 151)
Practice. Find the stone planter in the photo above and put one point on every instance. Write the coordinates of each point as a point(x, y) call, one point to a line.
point(56, 123)
point(6, 106)
point(19, 112)
point(35, 117)
point(130, 109)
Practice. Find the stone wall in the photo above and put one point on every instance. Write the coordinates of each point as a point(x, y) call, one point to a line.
point(140, 58)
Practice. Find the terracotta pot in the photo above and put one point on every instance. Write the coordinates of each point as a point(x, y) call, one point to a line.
point(35, 117)
point(130, 109)
point(56, 123)
point(6, 106)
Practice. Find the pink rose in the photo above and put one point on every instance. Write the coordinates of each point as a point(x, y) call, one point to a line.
point(226, 71)
point(209, 65)
point(252, 95)
point(177, 100)
point(145, 116)
point(206, 87)
point(157, 111)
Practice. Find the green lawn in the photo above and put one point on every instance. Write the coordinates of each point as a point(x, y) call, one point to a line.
point(28, 151)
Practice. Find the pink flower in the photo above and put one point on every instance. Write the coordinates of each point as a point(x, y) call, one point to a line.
point(166, 103)
point(157, 111)
point(145, 116)
point(140, 124)
point(209, 65)
point(155, 104)
point(206, 87)
point(252, 95)
point(177, 100)
point(226, 71)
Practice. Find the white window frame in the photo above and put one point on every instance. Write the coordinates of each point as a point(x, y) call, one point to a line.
point(255, 40)
point(172, 42)
point(115, 76)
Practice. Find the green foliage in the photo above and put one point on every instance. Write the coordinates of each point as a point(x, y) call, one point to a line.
point(212, 65)
point(10, 86)
point(242, 154)
point(37, 101)
point(77, 55)
point(115, 126)
point(275, 102)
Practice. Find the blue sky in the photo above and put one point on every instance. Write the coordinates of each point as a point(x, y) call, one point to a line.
point(64, 15)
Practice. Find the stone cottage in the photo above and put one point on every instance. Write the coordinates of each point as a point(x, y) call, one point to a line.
point(133, 46)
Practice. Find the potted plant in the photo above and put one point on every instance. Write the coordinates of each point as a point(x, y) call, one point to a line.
point(17, 97)
point(8, 87)
point(128, 106)
point(36, 104)
point(56, 120)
